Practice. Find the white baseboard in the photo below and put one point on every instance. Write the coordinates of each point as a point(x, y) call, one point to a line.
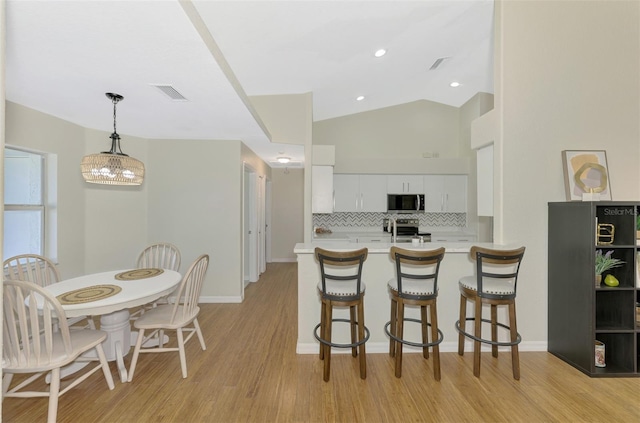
point(220, 300)
point(284, 260)
point(383, 347)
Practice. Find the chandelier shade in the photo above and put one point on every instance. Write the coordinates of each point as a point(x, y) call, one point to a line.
point(112, 167)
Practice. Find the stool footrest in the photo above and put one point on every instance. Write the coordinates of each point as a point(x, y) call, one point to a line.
point(488, 341)
point(414, 344)
point(332, 344)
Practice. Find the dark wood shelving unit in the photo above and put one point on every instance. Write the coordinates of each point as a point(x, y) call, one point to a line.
point(579, 313)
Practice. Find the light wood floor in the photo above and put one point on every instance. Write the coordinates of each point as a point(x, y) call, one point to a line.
point(251, 373)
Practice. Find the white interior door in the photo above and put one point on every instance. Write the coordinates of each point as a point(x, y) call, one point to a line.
point(267, 229)
point(250, 226)
point(262, 233)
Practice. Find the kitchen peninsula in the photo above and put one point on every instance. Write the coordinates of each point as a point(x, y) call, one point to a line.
point(377, 270)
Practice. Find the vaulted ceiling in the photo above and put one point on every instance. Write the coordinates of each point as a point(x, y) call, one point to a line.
point(62, 56)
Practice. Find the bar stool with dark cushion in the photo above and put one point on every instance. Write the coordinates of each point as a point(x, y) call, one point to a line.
point(415, 284)
point(341, 286)
point(494, 284)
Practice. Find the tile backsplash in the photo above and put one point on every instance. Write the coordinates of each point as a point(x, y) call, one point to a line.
point(368, 220)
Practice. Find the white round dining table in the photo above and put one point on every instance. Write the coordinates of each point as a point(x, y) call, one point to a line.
point(114, 310)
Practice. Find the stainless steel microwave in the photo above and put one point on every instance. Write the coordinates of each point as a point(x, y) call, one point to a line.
point(405, 203)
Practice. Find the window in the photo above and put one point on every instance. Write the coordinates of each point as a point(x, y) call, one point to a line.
point(24, 203)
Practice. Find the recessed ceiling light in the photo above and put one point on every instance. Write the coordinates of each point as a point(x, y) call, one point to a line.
point(360, 98)
point(283, 160)
point(454, 84)
point(380, 53)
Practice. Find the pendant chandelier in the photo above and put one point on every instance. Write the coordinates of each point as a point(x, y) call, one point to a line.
point(112, 167)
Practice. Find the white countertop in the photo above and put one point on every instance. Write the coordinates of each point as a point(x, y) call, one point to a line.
point(384, 247)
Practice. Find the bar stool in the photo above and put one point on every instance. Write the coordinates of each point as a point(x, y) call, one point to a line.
point(494, 284)
point(341, 286)
point(415, 284)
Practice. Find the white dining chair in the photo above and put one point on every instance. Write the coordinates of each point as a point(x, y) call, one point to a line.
point(31, 345)
point(161, 255)
point(174, 317)
point(43, 272)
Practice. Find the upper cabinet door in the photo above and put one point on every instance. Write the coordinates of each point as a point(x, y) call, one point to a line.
point(346, 193)
point(445, 193)
point(373, 193)
point(433, 193)
point(455, 191)
point(404, 184)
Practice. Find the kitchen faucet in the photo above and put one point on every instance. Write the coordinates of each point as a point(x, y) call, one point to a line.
point(394, 233)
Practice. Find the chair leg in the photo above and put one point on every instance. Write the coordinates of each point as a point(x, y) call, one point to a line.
point(494, 329)
point(515, 357)
point(425, 334)
point(183, 356)
point(54, 393)
point(354, 329)
point(327, 348)
point(136, 353)
point(463, 323)
point(199, 333)
point(434, 337)
point(399, 334)
point(363, 355)
point(392, 327)
point(323, 324)
point(6, 383)
point(478, 333)
point(105, 366)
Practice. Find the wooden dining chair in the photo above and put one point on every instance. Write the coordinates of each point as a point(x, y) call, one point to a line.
point(43, 272)
point(31, 267)
point(161, 255)
point(37, 340)
point(174, 317)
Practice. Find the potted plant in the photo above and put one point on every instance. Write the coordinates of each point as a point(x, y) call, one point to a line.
point(605, 262)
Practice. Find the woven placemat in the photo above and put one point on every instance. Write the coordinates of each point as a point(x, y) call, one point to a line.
point(88, 294)
point(132, 275)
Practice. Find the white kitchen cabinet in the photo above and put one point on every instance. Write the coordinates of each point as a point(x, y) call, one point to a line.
point(452, 238)
point(322, 189)
point(373, 195)
point(445, 193)
point(378, 238)
point(360, 193)
point(404, 184)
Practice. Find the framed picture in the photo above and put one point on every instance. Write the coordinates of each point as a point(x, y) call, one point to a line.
point(586, 172)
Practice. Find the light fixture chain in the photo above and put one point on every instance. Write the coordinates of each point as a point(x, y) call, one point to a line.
point(115, 101)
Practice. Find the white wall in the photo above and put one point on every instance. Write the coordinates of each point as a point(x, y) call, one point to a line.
point(567, 77)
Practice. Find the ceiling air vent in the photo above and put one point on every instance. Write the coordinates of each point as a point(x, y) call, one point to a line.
point(437, 63)
point(171, 92)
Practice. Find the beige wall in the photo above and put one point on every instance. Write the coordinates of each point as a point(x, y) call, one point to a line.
point(115, 232)
point(567, 78)
point(192, 197)
point(27, 128)
point(393, 139)
point(285, 116)
point(288, 212)
point(477, 106)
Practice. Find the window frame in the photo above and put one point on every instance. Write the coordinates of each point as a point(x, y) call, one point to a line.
point(42, 207)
